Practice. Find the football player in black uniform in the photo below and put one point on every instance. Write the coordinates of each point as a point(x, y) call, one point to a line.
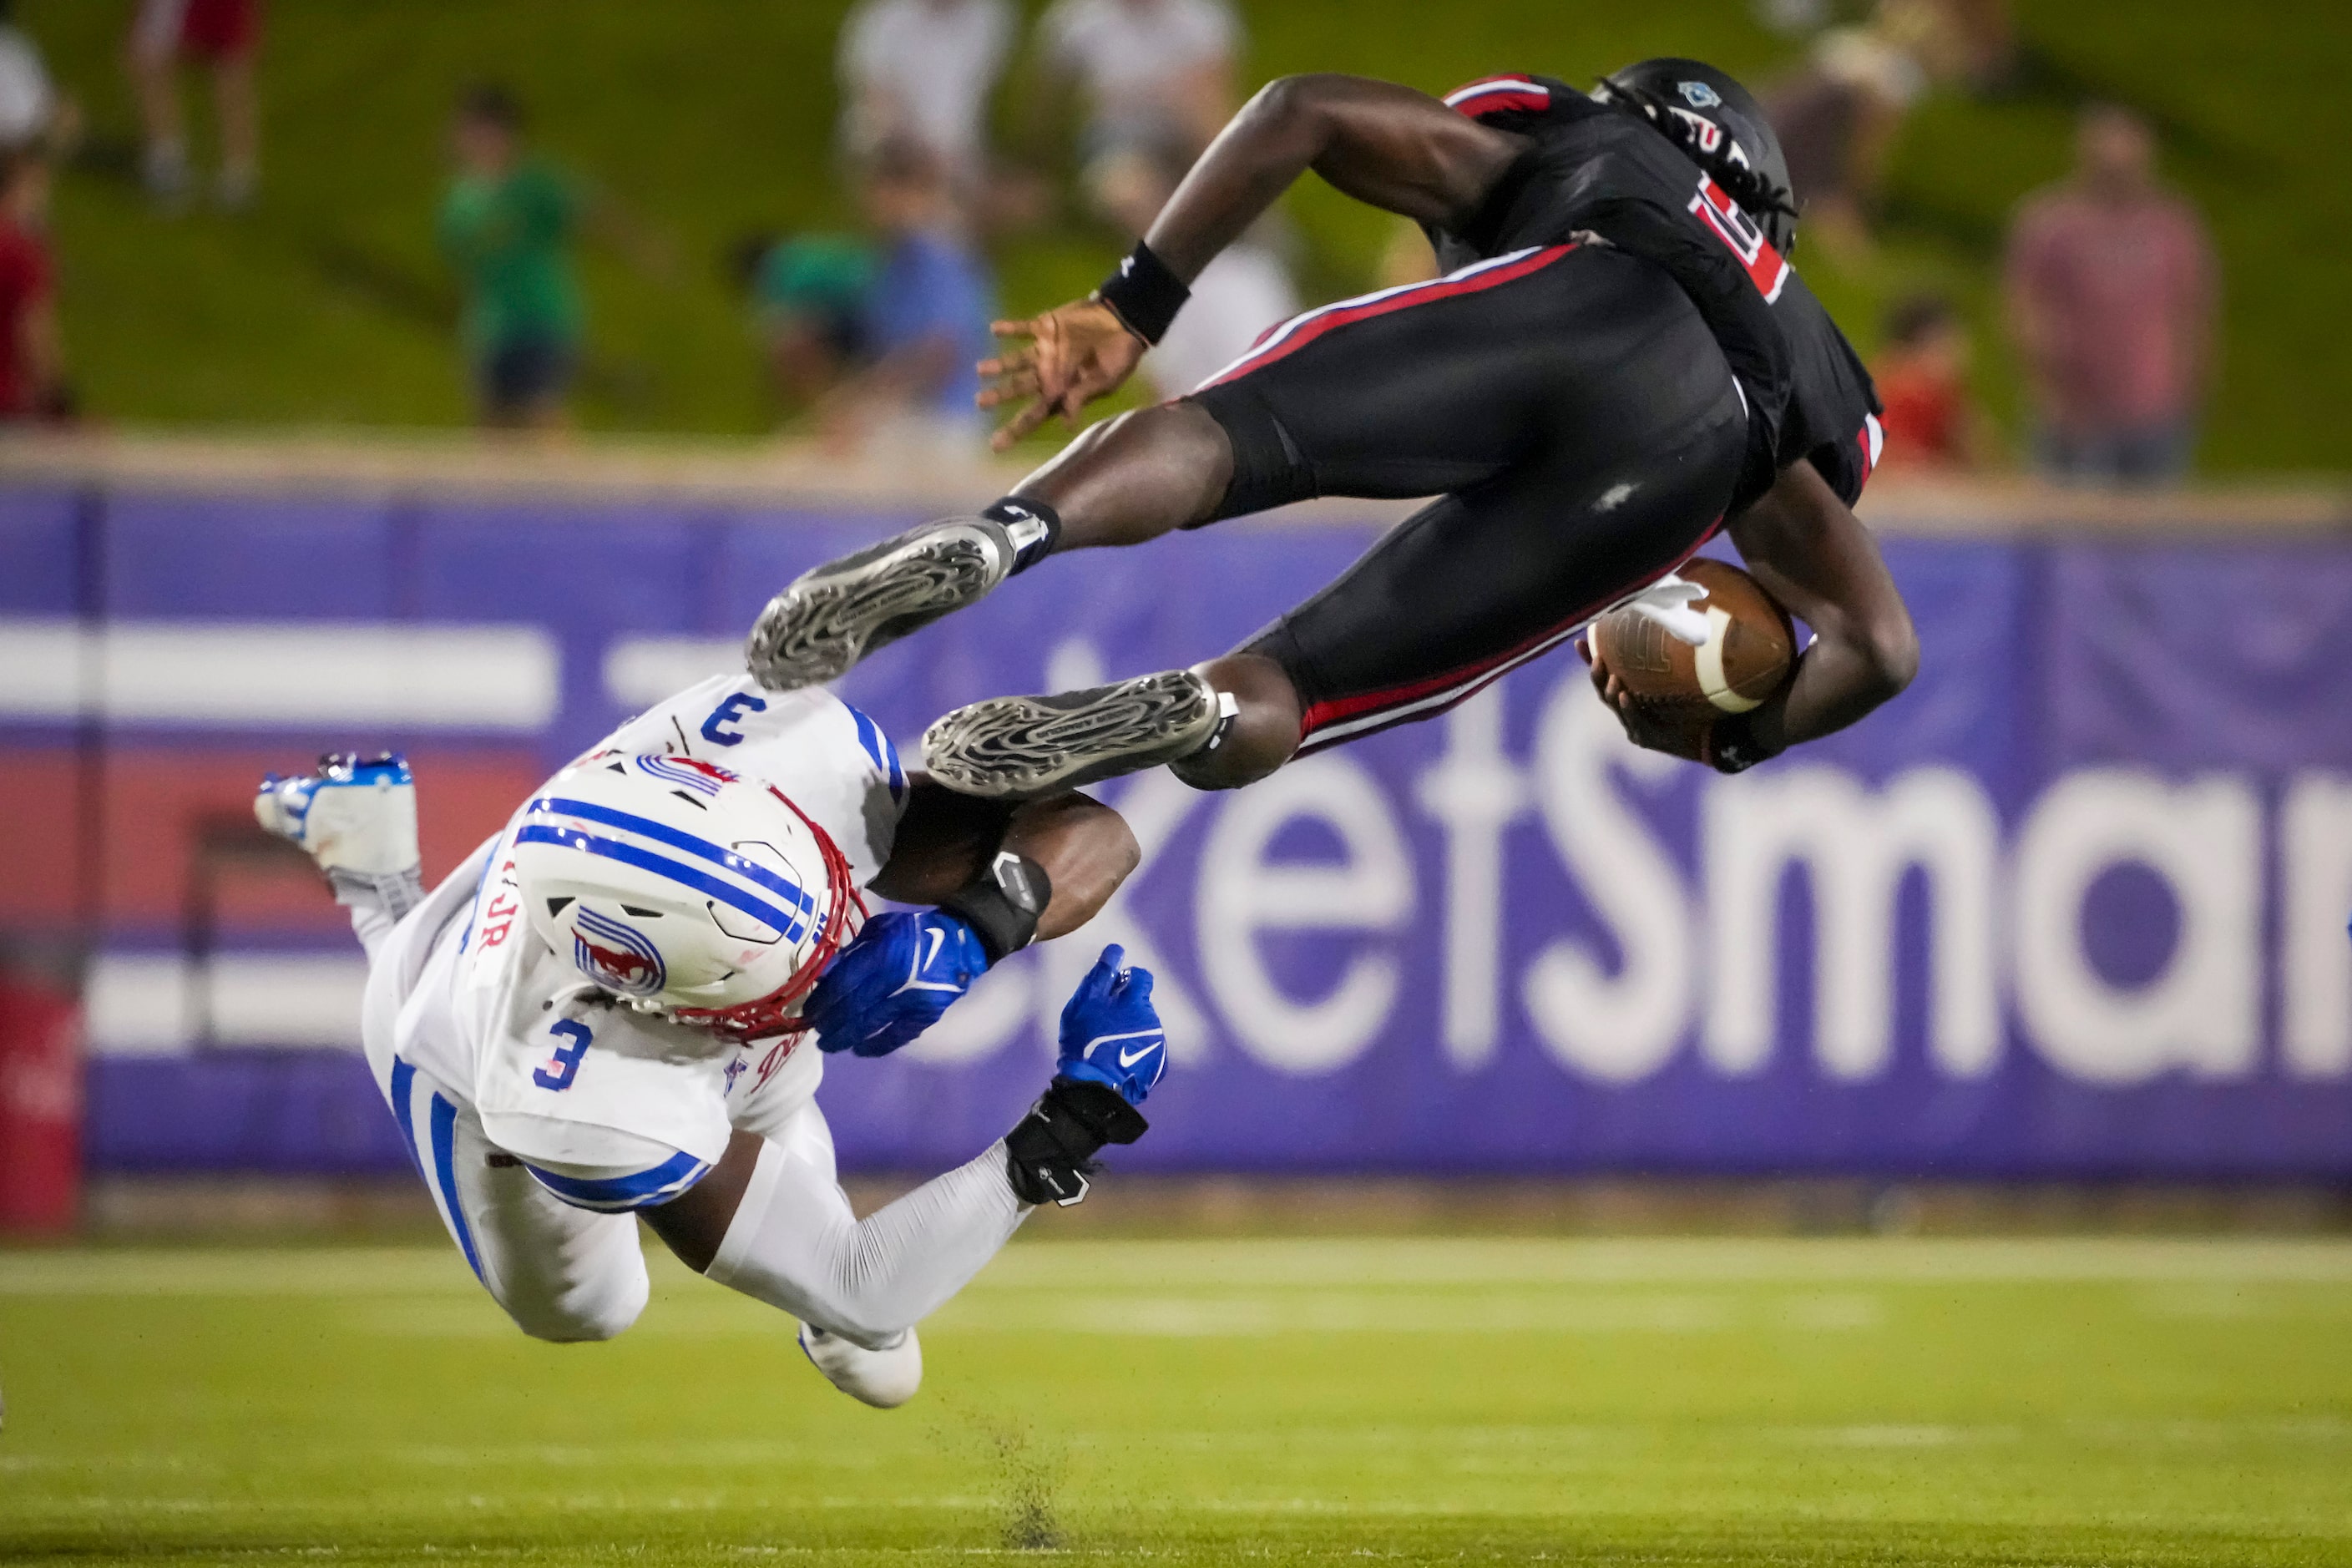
point(1616, 360)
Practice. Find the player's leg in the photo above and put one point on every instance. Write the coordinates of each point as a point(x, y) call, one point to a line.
point(1409, 392)
point(562, 1273)
point(1623, 430)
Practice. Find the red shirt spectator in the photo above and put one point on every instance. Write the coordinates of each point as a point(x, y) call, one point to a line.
point(224, 35)
point(29, 380)
point(1931, 422)
point(2111, 290)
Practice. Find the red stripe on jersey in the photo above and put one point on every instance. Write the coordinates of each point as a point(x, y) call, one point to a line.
point(1744, 237)
point(1498, 95)
point(1300, 331)
point(1476, 677)
point(1500, 101)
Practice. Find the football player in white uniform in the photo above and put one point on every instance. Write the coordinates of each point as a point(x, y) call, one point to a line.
point(607, 1011)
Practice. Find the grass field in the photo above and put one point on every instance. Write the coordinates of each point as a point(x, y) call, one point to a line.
point(1654, 1402)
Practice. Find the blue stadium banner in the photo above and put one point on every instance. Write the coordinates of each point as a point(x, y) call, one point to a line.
point(2075, 906)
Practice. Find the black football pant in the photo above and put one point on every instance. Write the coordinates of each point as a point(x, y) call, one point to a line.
point(1574, 417)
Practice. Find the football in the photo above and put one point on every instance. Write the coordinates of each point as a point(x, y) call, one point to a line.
point(1749, 648)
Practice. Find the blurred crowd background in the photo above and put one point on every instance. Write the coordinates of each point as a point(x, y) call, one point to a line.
point(2097, 239)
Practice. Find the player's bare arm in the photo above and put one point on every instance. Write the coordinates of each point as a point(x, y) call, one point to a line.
point(947, 839)
point(1386, 145)
point(1809, 552)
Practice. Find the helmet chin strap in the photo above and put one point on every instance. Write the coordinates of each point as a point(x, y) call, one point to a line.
point(771, 1015)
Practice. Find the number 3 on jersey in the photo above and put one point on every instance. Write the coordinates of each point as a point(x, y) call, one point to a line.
point(564, 1065)
point(1740, 232)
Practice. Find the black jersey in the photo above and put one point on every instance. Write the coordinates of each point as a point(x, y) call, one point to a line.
point(1593, 170)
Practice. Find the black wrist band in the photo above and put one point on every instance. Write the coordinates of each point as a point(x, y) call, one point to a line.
point(1050, 1155)
point(1143, 294)
point(1732, 746)
point(1003, 904)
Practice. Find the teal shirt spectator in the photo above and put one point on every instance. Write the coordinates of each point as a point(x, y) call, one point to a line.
point(931, 285)
point(821, 277)
point(510, 240)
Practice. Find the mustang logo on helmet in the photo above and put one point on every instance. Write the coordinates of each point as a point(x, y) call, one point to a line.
point(631, 965)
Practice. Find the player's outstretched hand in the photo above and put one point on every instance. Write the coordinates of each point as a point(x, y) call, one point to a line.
point(893, 981)
point(1073, 353)
point(1110, 1031)
point(1643, 726)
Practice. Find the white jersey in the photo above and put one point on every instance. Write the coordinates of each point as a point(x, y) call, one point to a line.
point(470, 994)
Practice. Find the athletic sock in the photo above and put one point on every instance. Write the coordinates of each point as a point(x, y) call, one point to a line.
point(1035, 527)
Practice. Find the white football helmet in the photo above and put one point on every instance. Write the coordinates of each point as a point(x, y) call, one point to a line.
point(685, 889)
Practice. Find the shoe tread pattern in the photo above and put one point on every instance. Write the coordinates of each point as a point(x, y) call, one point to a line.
point(1012, 748)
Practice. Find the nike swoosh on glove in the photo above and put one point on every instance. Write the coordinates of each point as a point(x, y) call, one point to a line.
point(1110, 1031)
point(894, 981)
point(1668, 603)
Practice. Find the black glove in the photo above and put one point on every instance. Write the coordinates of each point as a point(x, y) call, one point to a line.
point(1050, 1155)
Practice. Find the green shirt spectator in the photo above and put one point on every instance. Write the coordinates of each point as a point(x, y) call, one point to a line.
point(508, 226)
point(509, 236)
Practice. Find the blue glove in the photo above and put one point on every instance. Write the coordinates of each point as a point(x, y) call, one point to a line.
point(893, 981)
point(1111, 1033)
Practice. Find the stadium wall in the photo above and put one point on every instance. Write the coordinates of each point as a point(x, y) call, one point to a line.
point(2075, 906)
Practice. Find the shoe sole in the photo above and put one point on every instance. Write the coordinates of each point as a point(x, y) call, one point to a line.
point(1016, 748)
point(834, 614)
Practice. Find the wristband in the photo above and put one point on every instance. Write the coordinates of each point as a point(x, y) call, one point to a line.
point(1003, 904)
point(1732, 746)
point(1144, 294)
point(1050, 1155)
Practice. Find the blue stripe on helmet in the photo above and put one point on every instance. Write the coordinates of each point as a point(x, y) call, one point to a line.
point(702, 849)
point(791, 925)
point(664, 1181)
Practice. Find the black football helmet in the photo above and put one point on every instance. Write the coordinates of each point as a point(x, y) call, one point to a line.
point(1721, 125)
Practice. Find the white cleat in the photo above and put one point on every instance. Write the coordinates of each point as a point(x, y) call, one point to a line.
point(885, 1379)
point(834, 614)
point(356, 819)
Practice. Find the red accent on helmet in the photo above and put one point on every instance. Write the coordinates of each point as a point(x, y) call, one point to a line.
point(771, 1015)
point(624, 969)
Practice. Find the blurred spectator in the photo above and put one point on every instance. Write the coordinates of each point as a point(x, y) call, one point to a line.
point(31, 109)
point(1241, 293)
point(509, 224)
point(2112, 287)
point(1982, 37)
point(921, 72)
point(1153, 72)
point(1837, 118)
point(808, 298)
point(225, 35)
point(1931, 422)
point(925, 322)
point(32, 358)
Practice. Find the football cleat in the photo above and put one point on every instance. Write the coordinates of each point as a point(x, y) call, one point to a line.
point(353, 816)
point(357, 820)
point(834, 614)
point(885, 1379)
point(1017, 748)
